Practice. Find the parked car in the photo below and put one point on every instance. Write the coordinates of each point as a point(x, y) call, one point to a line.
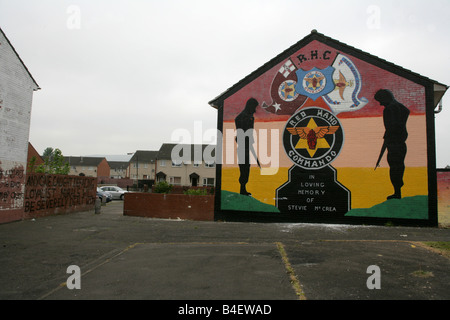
point(101, 194)
point(116, 192)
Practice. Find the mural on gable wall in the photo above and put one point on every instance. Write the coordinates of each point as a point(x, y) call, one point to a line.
point(333, 136)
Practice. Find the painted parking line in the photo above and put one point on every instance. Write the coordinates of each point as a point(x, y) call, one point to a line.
point(187, 270)
point(96, 266)
point(291, 272)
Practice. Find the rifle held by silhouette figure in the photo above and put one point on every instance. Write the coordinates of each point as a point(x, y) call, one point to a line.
point(383, 149)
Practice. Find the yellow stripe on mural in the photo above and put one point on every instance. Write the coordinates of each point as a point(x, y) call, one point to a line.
point(367, 187)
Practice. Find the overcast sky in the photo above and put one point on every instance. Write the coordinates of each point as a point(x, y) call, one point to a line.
point(118, 76)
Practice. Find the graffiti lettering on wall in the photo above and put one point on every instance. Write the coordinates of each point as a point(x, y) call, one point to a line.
point(334, 113)
point(50, 192)
point(11, 187)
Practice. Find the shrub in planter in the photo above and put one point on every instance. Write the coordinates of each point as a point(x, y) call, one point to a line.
point(196, 192)
point(162, 187)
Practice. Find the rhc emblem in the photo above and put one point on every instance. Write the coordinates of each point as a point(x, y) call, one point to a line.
point(313, 138)
point(315, 82)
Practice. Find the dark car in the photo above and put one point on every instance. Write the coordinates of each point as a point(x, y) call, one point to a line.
point(101, 194)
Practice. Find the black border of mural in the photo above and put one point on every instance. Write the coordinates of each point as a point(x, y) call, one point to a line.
point(428, 84)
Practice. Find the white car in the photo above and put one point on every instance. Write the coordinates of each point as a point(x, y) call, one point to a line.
point(116, 192)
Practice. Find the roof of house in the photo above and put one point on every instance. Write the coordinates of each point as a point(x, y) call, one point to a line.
point(84, 161)
point(23, 64)
point(439, 88)
point(144, 156)
point(165, 152)
point(117, 165)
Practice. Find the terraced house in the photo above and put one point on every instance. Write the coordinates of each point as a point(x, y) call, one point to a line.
point(88, 166)
point(119, 169)
point(142, 165)
point(186, 165)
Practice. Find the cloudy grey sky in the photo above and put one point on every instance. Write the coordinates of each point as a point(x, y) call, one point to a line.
point(118, 76)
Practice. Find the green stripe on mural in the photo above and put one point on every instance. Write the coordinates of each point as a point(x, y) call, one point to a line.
point(236, 201)
point(407, 208)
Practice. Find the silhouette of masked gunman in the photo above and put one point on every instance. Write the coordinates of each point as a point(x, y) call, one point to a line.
point(244, 138)
point(395, 116)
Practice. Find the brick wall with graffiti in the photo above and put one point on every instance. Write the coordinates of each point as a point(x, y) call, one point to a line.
point(443, 182)
point(12, 188)
point(47, 194)
point(326, 135)
point(37, 195)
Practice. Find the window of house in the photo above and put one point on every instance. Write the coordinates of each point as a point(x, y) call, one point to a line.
point(208, 182)
point(210, 164)
point(176, 163)
point(176, 181)
point(162, 163)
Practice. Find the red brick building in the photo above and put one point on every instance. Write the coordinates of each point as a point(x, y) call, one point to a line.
point(88, 166)
point(33, 154)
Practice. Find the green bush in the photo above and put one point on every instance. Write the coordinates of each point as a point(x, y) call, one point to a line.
point(54, 163)
point(162, 187)
point(196, 192)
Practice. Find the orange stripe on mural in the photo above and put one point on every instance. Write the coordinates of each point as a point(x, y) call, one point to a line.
point(363, 138)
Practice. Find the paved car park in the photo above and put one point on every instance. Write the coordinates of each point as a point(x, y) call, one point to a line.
point(122, 257)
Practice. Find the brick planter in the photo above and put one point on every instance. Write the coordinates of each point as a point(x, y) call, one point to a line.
point(169, 206)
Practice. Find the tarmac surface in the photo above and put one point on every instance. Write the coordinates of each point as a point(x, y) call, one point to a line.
point(119, 257)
